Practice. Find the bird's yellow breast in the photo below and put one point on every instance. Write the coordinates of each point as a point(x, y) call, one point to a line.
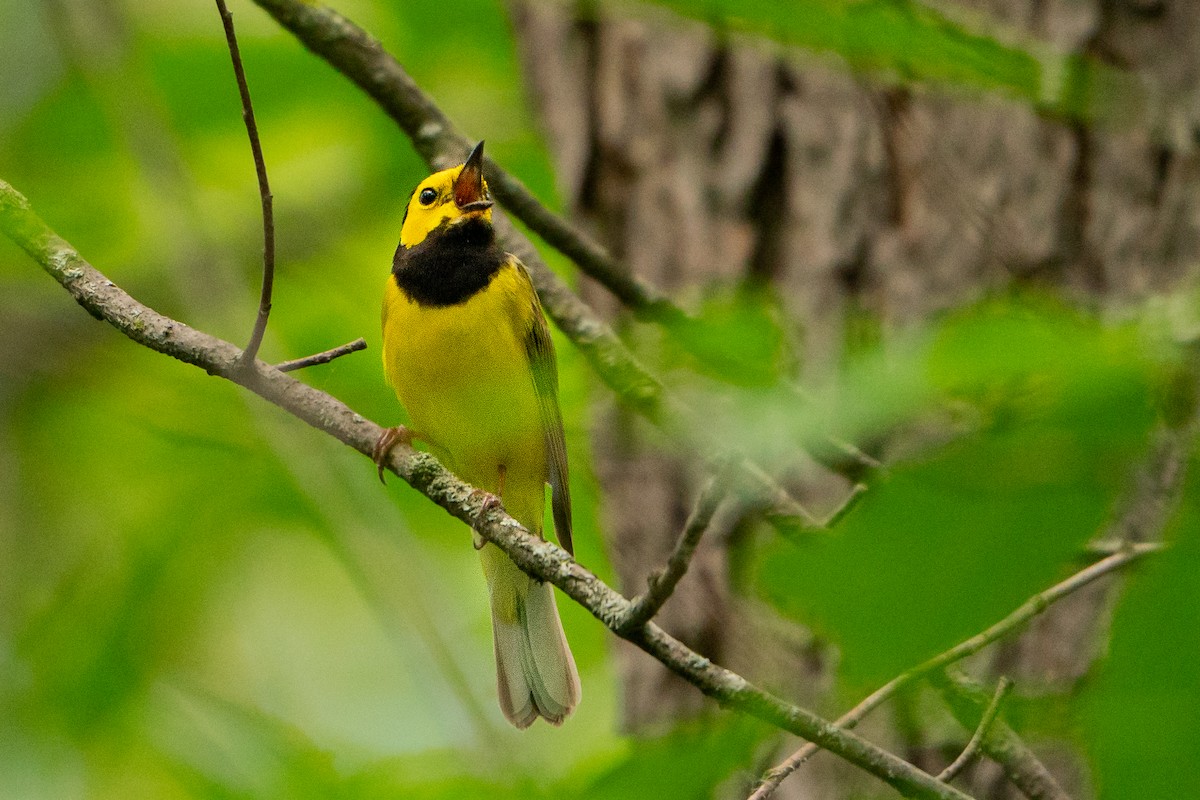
point(463, 374)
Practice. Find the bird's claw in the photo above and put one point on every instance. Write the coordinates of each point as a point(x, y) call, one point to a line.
point(384, 444)
point(490, 502)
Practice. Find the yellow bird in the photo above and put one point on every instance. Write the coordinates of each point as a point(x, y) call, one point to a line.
point(466, 348)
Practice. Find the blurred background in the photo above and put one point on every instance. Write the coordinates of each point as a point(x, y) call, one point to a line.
point(961, 237)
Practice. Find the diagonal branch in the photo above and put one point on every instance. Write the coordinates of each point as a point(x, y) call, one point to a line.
point(361, 58)
point(984, 728)
point(1014, 621)
point(264, 189)
point(662, 582)
point(544, 560)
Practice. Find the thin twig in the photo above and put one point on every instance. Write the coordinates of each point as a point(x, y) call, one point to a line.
point(985, 726)
point(1017, 619)
point(323, 358)
point(851, 501)
point(798, 526)
point(849, 504)
point(1002, 745)
point(843, 458)
point(264, 189)
point(537, 557)
point(662, 582)
point(1108, 547)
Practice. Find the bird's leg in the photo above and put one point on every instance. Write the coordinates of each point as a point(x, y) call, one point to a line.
point(386, 441)
point(490, 501)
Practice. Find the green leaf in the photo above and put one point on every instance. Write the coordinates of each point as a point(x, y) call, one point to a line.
point(1139, 714)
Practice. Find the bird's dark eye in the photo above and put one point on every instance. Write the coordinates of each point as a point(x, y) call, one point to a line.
point(427, 197)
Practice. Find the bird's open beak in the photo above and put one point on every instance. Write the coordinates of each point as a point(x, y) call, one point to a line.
point(469, 194)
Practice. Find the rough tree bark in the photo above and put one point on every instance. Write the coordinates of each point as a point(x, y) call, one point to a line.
point(698, 159)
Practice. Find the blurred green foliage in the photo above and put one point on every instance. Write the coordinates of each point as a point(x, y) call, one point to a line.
point(907, 42)
point(200, 597)
point(1062, 409)
point(734, 337)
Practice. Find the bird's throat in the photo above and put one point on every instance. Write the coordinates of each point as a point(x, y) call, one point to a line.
point(450, 265)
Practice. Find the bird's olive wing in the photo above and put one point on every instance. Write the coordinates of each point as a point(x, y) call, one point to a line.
point(540, 350)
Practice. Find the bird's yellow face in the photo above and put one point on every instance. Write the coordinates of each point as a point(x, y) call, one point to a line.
point(447, 198)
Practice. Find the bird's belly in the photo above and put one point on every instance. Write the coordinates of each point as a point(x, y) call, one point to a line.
point(464, 378)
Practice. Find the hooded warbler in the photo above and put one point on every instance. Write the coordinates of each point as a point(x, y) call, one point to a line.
point(468, 353)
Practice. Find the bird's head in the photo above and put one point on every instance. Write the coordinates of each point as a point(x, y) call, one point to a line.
point(449, 197)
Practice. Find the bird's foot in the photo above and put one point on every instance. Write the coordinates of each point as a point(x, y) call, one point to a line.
point(490, 502)
point(384, 444)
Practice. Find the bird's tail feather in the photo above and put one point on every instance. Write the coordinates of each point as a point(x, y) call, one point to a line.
point(535, 671)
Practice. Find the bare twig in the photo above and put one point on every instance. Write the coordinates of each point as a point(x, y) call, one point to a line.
point(542, 559)
point(984, 727)
point(323, 358)
point(1002, 744)
point(1017, 619)
point(843, 458)
point(662, 582)
point(1108, 547)
point(361, 58)
point(264, 189)
point(849, 504)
